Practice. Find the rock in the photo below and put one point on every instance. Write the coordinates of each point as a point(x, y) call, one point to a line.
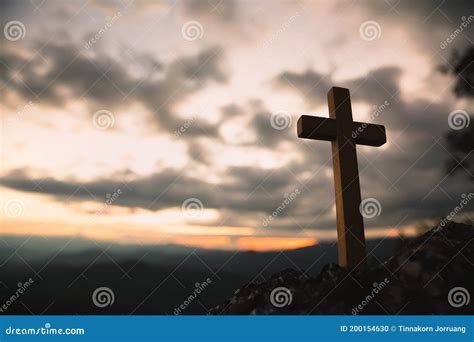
point(433, 274)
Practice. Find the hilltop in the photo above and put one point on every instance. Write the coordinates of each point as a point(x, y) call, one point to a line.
point(430, 275)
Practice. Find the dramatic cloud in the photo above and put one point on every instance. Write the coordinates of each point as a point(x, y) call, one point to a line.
point(415, 154)
point(461, 66)
point(214, 117)
point(428, 22)
point(244, 190)
point(225, 11)
point(309, 84)
point(64, 72)
point(373, 88)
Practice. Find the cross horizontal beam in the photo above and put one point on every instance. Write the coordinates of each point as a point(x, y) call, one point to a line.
point(317, 128)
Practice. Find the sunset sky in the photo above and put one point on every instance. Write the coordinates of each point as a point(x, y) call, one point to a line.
point(175, 121)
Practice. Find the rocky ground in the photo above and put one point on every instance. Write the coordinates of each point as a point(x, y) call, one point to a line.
point(433, 274)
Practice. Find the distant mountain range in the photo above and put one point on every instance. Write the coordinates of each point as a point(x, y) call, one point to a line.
point(148, 279)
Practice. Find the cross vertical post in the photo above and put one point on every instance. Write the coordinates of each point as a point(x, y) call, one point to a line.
point(350, 224)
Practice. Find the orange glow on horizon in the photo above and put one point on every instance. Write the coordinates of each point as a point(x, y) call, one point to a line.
point(227, 238)
point(262, 244)
point(204, 242)
point(124, 235)
point(393, 232)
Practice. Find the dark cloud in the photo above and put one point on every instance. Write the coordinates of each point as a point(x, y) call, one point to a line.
point(407, 179)
point(231, 110)
point(258, 120)
point(266, 134)
point(410, 174)
point(231, 19)
point(15, 10)
point(429, 23)
point(373, 88)
point(428, 12)
point(198, 152)
point(410, 178)
point(63, 72)
point(250, 178)
point(244, 190)
point(376, 86)
point(225, 11)
point(133, 6)
point(310, 84)
point(461, 67)
point(460, 145)
point(183, 78)
point(406, 176)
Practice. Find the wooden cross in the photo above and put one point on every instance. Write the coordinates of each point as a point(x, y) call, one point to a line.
point(344, 134)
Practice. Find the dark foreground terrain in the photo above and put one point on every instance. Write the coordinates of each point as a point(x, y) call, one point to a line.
point(412, 277)
point(143, 279)
point(433, 274)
